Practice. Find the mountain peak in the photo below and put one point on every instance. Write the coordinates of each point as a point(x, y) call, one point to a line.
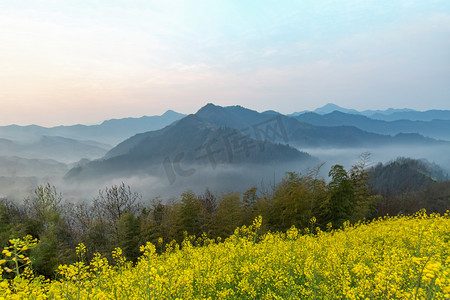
point(171, 113)
point(330, 107)
point(208, 108)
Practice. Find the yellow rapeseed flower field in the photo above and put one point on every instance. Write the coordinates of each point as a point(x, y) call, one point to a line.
point(389, 258)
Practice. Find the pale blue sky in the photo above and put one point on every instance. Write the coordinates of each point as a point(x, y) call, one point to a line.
point(66, 62)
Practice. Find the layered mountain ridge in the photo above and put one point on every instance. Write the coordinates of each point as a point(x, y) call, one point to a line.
point(235, 135)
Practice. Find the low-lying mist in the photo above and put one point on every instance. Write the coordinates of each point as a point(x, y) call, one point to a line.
point(221, 179)
point(349, 156)
point(20, 180)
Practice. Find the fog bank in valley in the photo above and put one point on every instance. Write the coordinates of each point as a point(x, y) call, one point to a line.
point(221, 178)
point(349, 156)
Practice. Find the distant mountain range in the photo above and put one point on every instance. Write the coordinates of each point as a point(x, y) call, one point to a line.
point(438, 129)
point(15, 166)
point(109, 132)
point(302, 134)
point(52, 147)
point(428, 115)
point(231, 135)
point(224, 146)
point(386, 115)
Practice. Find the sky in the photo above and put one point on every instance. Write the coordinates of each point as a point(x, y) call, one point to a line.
point(84, 61)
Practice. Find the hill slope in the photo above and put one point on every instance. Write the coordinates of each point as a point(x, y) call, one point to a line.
point(404, 175)
point(190, 141)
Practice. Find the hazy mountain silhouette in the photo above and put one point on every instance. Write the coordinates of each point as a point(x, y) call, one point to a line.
point(109, 132)
point(52, 147)
point(302, 134)
point(230, 135)
point(404, 175)
point(389, 111)
point(231, 116)
point(13, 166)
point(413, 115)
point(389, 114)
point(326, 109)
point(439, 129)
point(330, 107)
point(190, 141)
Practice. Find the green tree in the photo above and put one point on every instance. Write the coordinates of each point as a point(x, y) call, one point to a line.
point(46, 200)
point(98, 238)
point(249, 201)
point(341, 196)
point(129, 233)
point(295, 201)
point(45, 222)
point(152, 221)
point(228, 215)
point(318, 194)
point(191, 217)
point(12, 217)
point(365, 203)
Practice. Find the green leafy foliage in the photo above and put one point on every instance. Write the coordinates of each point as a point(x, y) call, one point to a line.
point(118, 218)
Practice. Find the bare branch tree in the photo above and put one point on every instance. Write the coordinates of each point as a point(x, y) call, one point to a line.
point(113, 202)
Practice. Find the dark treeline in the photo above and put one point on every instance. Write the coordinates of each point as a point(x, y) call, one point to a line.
point(118, 217)
point(408, 185)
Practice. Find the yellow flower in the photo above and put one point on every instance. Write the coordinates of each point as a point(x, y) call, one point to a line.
point(384, 259)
